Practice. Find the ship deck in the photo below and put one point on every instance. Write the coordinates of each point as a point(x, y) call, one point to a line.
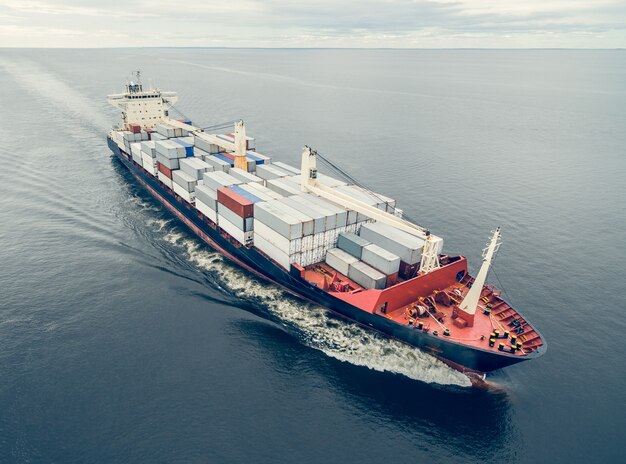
point(436, 312)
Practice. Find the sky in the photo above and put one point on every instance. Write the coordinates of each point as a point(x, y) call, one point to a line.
point(317, 23)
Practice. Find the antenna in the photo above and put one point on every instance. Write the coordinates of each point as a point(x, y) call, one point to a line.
point(138, 74)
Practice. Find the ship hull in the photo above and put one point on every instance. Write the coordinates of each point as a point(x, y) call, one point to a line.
point(461, 357)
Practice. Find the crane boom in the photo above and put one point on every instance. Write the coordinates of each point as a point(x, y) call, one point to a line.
point(308, 183)
point(197, 131)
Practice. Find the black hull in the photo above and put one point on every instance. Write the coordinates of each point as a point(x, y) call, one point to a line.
point(462, 357)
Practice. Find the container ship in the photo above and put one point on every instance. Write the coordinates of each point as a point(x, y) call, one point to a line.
point(327, 240)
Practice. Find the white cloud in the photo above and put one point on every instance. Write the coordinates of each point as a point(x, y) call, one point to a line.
point(325, 23)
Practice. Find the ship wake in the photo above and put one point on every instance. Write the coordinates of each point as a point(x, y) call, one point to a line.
point(337, 338)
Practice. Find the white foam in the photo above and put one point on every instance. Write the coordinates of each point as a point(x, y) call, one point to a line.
point(342, 340)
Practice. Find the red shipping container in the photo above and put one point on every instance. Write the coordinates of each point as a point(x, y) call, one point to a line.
point(165, 170)
point(135, 128)
point(230, 156)
point(239, 205)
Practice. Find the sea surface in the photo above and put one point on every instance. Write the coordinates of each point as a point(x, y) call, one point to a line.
point(125, 339)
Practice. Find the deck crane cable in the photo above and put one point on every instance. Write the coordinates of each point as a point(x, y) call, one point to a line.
point(214, 127)
point(342, 173)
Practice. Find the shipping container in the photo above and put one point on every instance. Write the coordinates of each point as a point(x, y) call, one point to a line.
point(258, 158)
point(231, 138)
point(266, 192)
point(245, 238)
point(221, 156)
point(217, 163)
point(171, 163)
point(134, 128)
point(241, 205)
point(155, 136)
point(286, 167)
point(163, 178)
point(205, 209)
point(186, 145)
point(167, 172)
point(270, 214)
point(280, 257)
point(149, 147)
point(195, 167)
point(243, 176)
point(244, 193)
point(186, 195)
point(408, 271)
point(352, 244)
point(380, 259)
point(408, 247)
point(165, 130)
point(340, 260)
point(270, 171)
point(284, 244)
point(207, 147)
point(170, 149)
point(366, 276)
point(340, 212)
point(219, 179)
point(149, 163)
point(183, 179)
point(305, 219)
point(245, 224)
point(283, 187)
point(319, 219)
point(207, 196)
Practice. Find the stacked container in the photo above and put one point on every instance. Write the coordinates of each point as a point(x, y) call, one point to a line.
point(235, 213)
point(184, 185)
point(406, 246)
point(206, 202)
point(270, 171)
point(195, 167)
point(168, 153)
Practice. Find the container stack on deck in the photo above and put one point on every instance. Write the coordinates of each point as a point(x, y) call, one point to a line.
point(265, 207)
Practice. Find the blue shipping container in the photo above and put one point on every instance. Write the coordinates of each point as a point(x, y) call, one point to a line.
point(243, 193)
point(225, 158)
point(255, 158)
point(188, 147)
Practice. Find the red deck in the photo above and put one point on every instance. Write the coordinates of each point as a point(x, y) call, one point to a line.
point(435, 296)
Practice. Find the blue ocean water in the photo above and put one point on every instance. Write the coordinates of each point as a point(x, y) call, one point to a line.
point(124, 339)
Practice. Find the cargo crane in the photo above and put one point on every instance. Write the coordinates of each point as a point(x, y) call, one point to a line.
point(308, 183)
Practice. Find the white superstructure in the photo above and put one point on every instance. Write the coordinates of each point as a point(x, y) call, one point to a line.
point(144, 107)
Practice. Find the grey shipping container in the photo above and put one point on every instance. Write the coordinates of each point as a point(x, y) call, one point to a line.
point(171, 163)
point(269, 171)
point(219, 179)
point(217, 163)
point(208, 147)
point(340, 260)
point(243, 224)
point(283, 187)
point(408, 247)
point(305, 219)
point(207, 196)
point(170, 149)
point(319, 220)
point(352, 243)
point(184, 180)
point(286, 167)
point(244, 176)
point(195, 167)
point(380, 259)
point(278, 220)
point(366, 276)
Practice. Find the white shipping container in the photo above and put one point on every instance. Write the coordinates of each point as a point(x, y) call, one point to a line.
point(219, 179)
point(184, 180)
point(245, 238)
point(340, 260)
point(217, 163)
point(195, 167)
point(207, 195)
point(149, 164)
point(284, 260)
point(285, 188)
point(279, 241)
point(286, 167)
point(306, 220)
point(189, 197)
point(165, 130)
point(243, 224)
point(270, 171)
point(278, 220)
point(163, 178)
point(380, 259)
point(149, 147)
point(265, 191)
point(244, 176)
point(170, 149)
point(319, 220)
point(206, 210)
point(366, 276)
point(205, 146)
point(408, 247)
point(171, 163)
point(257, 193)
point(156, 136)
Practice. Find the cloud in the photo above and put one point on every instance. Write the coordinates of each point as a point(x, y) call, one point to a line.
point(325, 23)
